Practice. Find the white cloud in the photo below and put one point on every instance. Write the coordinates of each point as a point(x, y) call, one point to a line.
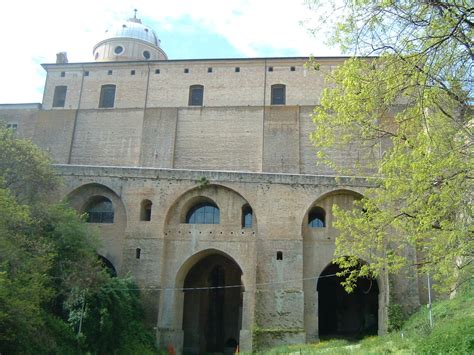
point(35, 31)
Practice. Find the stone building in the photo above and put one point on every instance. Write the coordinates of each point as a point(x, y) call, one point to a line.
point(204, 185)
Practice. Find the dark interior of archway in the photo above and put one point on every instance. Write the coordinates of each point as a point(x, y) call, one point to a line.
point(108, 266)
point(346, 315)
point(212, 317)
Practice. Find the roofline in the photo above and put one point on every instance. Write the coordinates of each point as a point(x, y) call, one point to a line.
point(25, 105)
point(46, 65)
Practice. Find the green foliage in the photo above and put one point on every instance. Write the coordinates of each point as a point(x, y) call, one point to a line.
point(25, 169)
point(111, 319)
point(396, 317)
point(409, 111)
point(47, 257)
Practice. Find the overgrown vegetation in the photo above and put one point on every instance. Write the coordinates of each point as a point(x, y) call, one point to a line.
point(453, 333)
point(50, 276)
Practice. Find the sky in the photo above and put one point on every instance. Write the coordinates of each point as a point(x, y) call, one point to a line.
point(33, 31)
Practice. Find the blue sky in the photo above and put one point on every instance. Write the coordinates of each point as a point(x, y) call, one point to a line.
point(34, 31)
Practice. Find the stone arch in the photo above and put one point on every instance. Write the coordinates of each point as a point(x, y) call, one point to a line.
point(108, 265)
point(322, 202)
point(229, 202)
point(212, 305)
point(342, 314)
point(112, 235)
point(318, 251)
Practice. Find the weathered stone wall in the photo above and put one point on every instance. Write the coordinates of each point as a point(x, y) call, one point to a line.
point(277, 304)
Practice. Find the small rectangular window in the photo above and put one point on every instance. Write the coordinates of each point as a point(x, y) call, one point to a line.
point(157, 71)
point(63, 74)
point(196, 94)
point(209, 70)
point(186, 70)
point(237, 69)
point(292, 69)
point(59, 98)
point(138, 253)
point(132, 72)
point(278, 95)
point(107, 96)
point(86, 73)
point(270, 68)
point(109, 72)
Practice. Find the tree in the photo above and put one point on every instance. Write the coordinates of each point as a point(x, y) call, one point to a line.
point(47, 260)
point(407, 93)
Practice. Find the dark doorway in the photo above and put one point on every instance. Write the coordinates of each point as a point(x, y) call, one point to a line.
point(346, 315)
point(107, 265)
point(212, 317)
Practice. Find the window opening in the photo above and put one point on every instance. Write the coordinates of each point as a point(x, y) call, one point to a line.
point(118, 50)
point(145, 212)
point(12, 126)
point(109, 72)
point(270, 68)
point(279, 255)
point(132, 72)
point(146, 55)
point(107, 96)
point(186, 70)
point(157, 71)
point(247, 216)
point(209, 70)
point(237, 69)
point(196, 94)
point(138, 252)
point(203, 213)
point(292, 69)
point(100, 210)
point(317, 218)
point(59, 98)
point(278, 94)
point(63, 74)
point(86, 73)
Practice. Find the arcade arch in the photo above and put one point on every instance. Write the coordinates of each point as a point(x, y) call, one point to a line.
point(212, 305)
point(342, 314)
point(106, 210)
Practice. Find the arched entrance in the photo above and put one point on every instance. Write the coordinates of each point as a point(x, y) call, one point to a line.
point(346, 315)
point(212, 312)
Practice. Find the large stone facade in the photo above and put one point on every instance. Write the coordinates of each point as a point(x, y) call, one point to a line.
point(156, 158)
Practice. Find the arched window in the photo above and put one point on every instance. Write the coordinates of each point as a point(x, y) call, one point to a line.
point(100, 210)
point(107, 96)
point(278, 94)
point(317, 218)
point(247, 216)
point(196, 95)
point(145, 210)
point(203, 213)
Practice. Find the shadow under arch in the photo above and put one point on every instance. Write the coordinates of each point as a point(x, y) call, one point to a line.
point(176, 212)
point(212, 303)
point(107, 265)
point(347, 315)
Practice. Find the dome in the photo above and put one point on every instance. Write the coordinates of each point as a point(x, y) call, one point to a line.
point(132, 28)
point(129, 40)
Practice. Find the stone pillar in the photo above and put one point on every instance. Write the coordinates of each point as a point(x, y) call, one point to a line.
point(170, 320)
point(248, 320)
point(311, 312)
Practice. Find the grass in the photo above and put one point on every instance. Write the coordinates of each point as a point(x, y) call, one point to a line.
point(453, 333)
